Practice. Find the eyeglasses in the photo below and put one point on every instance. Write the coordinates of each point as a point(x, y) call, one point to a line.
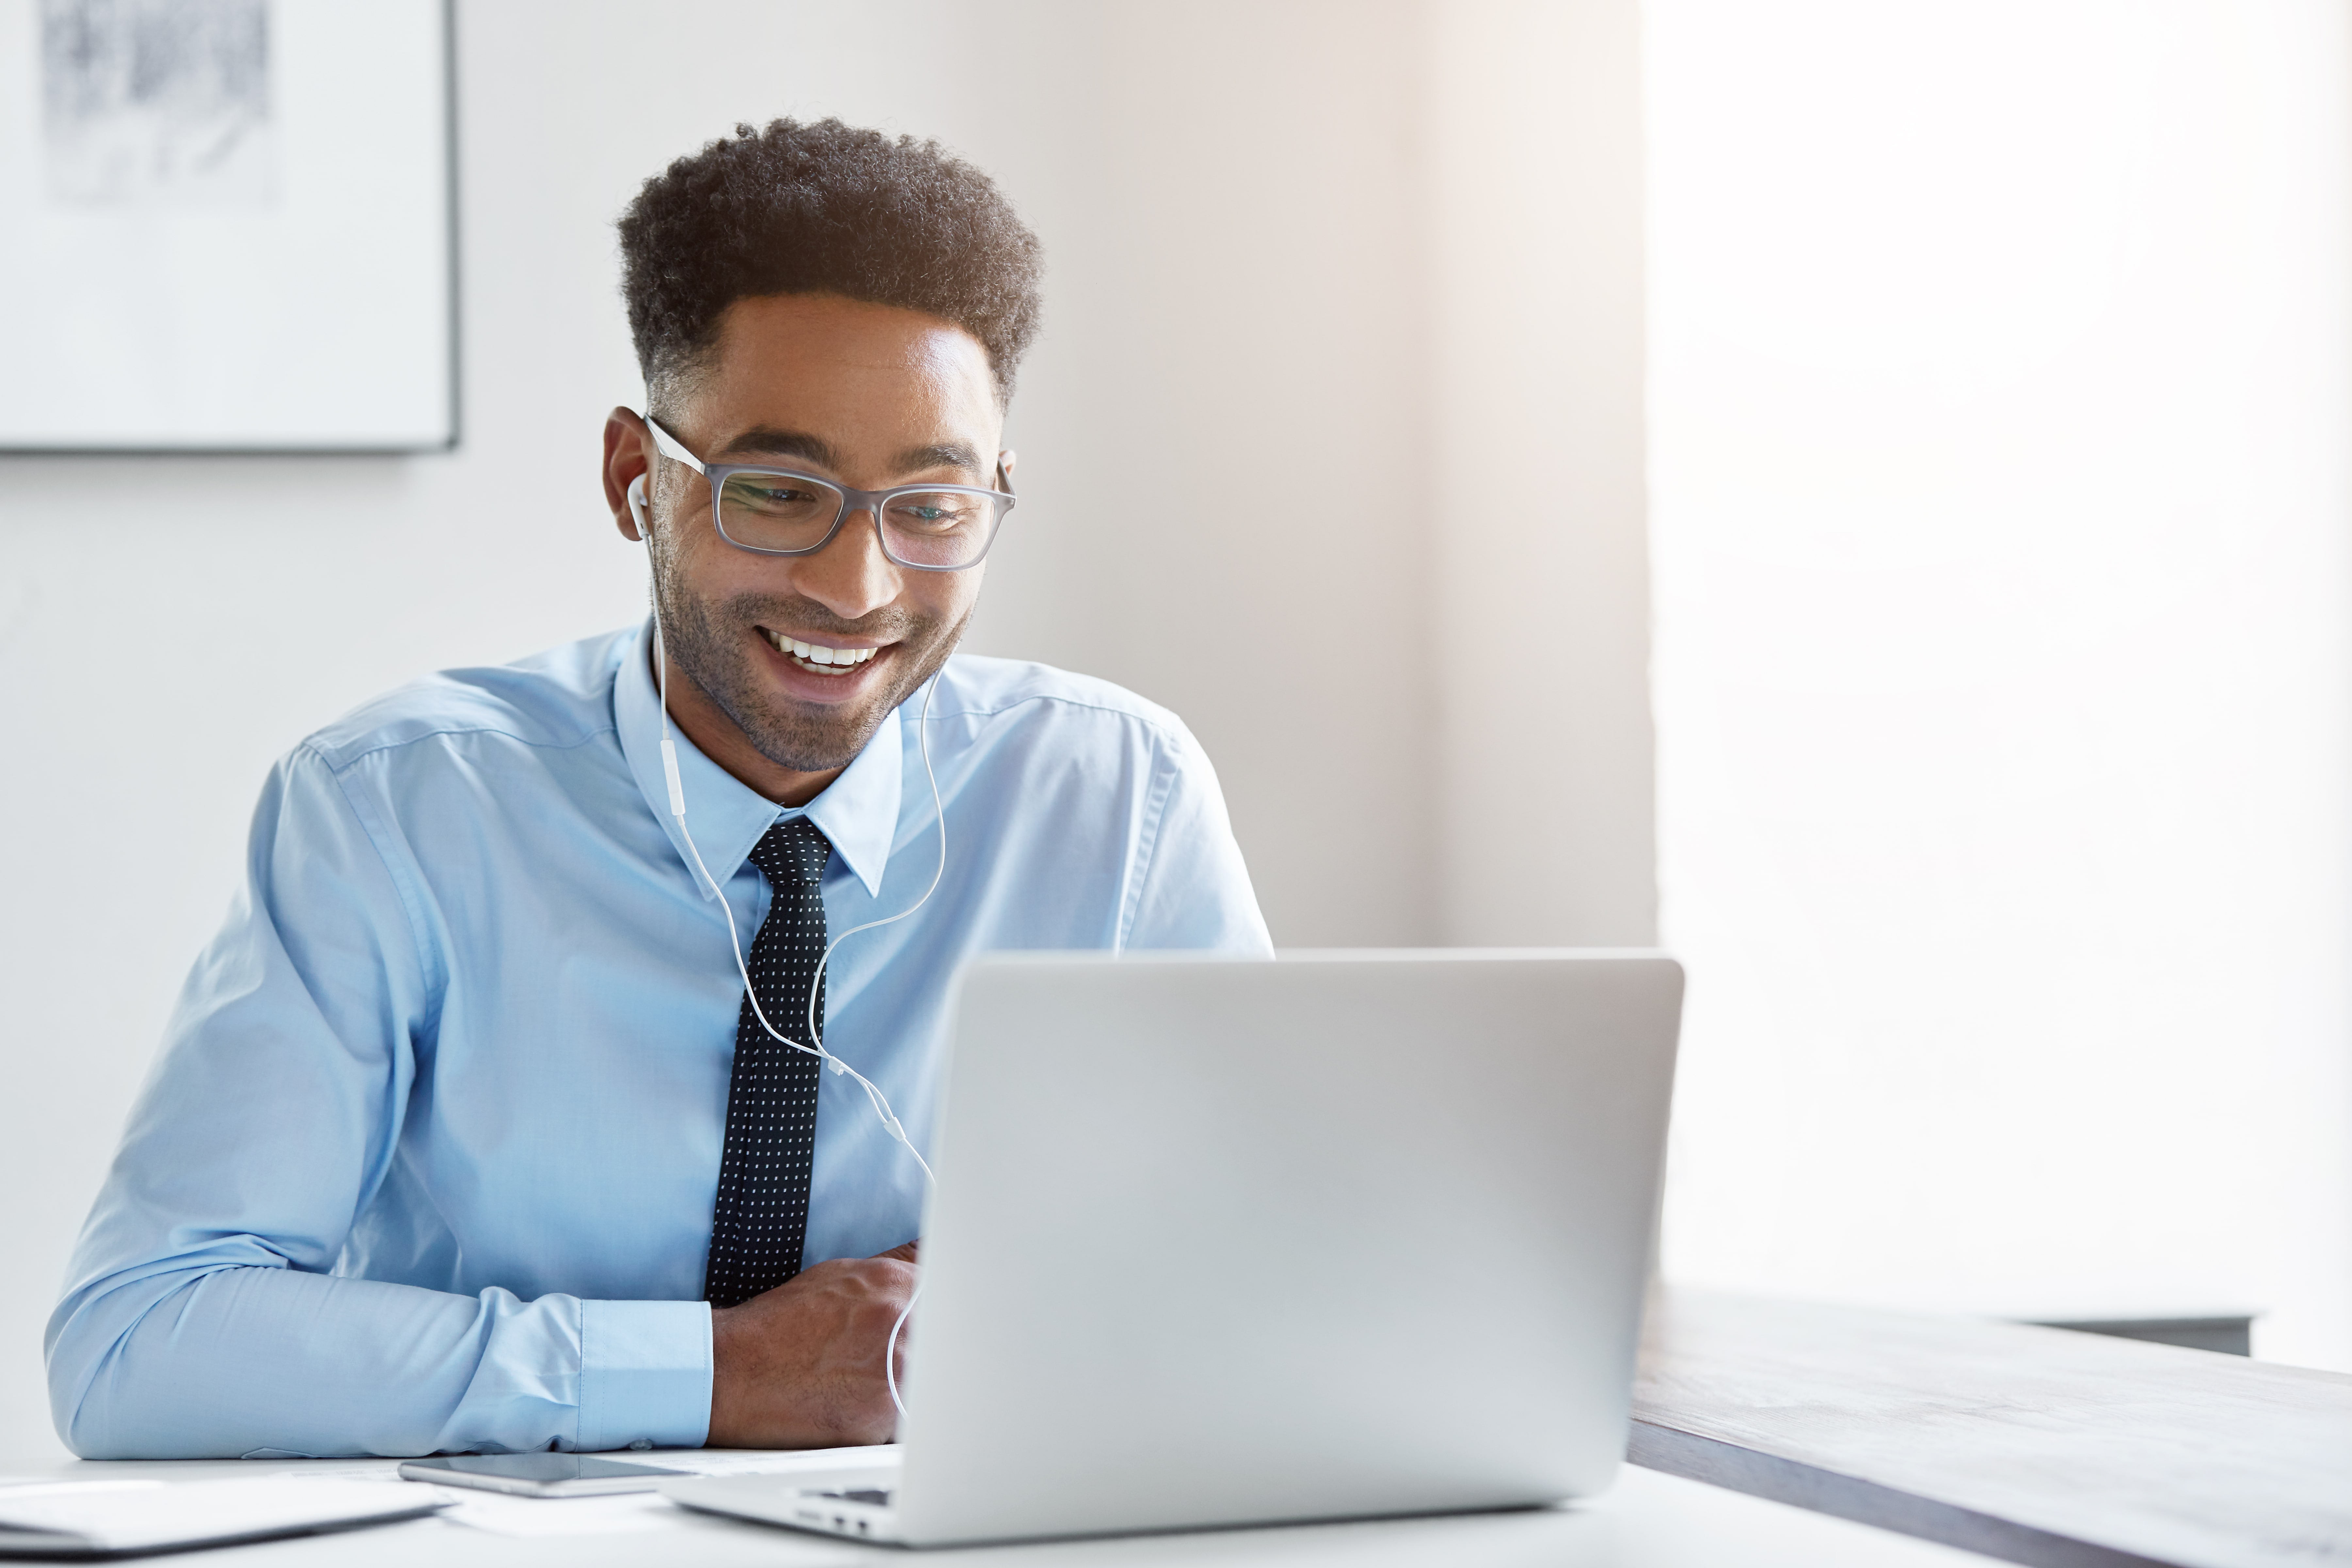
point(775, 512)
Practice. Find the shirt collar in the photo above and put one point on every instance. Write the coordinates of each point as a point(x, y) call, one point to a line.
point(858, 811)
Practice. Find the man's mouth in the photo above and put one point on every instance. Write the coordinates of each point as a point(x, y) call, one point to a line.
point(819, 658)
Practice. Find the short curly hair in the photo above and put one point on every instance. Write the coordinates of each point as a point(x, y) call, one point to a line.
point(824, 208)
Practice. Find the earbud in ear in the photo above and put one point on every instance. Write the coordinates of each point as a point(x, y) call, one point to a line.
point(637, 503)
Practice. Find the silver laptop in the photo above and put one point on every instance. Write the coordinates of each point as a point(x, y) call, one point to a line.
point(1220, 1243)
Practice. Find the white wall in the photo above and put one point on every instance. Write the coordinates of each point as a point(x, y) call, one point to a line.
point(2002, 378)
point(1230, 480)
point(1537, 519)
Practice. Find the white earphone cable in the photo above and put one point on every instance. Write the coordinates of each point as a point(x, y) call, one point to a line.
point(874, 1095)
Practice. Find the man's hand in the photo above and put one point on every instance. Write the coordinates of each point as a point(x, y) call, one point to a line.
point(799, 1366)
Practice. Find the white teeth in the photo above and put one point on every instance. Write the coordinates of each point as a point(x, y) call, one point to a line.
point(818, 653)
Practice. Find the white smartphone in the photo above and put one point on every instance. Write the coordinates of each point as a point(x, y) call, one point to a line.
point(537, 1475)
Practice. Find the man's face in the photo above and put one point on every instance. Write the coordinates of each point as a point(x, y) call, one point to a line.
point(869, 396)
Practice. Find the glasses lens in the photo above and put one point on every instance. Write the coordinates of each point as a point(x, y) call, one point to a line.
point(938, 527)
point(776, 512)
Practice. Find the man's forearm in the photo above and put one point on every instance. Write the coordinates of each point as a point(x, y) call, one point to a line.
point(262, 1361)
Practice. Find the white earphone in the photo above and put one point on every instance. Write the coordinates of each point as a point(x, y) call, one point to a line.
point(643, 513)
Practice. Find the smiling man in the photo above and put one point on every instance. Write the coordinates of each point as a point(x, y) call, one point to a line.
point(477, 1127)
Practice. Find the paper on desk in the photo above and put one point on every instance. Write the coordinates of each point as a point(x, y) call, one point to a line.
point(14, 1491)
point(344, 1470)
point(563, 1516)
point(79, 1518)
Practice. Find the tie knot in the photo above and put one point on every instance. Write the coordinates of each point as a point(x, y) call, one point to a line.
point(793, 851)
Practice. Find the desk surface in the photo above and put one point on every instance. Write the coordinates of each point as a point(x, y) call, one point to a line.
point(2040, 1446)
point(1646, 1521)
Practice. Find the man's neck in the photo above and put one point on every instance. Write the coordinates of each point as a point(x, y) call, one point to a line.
point(722, 740)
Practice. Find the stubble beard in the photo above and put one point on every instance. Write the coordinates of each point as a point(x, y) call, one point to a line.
point(711, 643)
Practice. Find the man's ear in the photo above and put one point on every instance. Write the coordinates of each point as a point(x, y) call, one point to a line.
point(628, 456)
point(1004, 461)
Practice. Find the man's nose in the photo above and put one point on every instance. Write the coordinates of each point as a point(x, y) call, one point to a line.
point(850, 577)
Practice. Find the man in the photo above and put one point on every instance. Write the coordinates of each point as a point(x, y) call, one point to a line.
point(467, 1133)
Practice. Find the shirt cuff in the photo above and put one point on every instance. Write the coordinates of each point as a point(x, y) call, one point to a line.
point(645, 1374)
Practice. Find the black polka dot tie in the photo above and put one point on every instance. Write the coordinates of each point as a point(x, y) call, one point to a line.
point(761, 1221)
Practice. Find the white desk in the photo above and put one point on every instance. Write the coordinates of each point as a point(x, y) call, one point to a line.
point(1649, 1520)
point(2036, 1446)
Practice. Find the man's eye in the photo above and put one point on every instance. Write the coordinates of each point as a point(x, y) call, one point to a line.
point(931, 514)
point(771, 497)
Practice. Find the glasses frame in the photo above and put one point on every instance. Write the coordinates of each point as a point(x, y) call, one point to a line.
point(852, 501)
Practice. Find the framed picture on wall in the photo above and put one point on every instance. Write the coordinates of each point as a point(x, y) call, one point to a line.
point(228, 225)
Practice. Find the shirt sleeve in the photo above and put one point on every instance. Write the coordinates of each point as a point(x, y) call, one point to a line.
point(1193, 890)
point(202, 1317)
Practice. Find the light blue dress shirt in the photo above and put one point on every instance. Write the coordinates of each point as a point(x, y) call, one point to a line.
point(428, 1157)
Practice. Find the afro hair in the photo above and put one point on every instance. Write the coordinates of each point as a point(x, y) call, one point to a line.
point(824, 208)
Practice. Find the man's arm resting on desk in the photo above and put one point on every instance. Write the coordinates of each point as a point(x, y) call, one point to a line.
point(272, 1361)
point(249, 1360)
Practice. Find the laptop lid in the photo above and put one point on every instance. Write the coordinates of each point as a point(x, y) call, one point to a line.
point(1344, 1234)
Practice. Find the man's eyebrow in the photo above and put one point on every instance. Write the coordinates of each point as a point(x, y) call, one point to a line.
point(938, 455)
point(767, 441)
